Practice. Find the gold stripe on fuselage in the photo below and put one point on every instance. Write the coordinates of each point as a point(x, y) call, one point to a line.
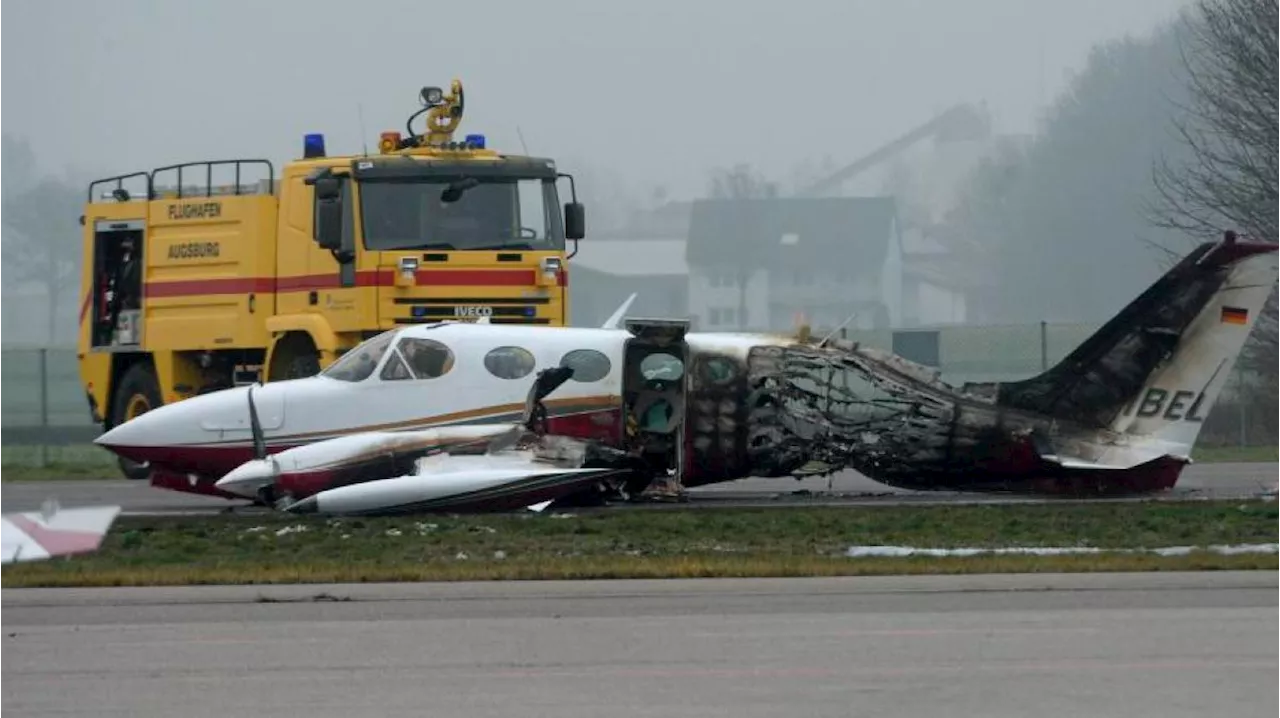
point(555, 408)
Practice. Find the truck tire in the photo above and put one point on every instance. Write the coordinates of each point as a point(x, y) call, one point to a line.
point(303, 365)
point(137, 393)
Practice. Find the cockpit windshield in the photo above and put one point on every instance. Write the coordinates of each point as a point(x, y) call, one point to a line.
point(461, 213)
point(358, 363)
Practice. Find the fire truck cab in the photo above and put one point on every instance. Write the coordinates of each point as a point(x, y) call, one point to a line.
point(231, 274)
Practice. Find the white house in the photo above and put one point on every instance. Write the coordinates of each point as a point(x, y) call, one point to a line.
point(776, 263)
point(605, 272)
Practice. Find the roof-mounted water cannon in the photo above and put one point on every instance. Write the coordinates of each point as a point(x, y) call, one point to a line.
point(444, 113)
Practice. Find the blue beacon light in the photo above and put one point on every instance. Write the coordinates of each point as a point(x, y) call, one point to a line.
point(475, 141)
point(313, 146)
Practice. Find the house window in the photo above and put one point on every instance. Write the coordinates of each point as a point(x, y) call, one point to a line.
point(723, 317)
point(722, 279)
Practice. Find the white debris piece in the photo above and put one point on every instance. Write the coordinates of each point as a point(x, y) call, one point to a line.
point(291, 530)
point(898, 551)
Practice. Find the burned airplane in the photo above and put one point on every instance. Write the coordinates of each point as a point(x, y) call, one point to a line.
point(654, 401)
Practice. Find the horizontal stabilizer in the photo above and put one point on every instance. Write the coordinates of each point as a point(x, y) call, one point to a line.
point(37, 535)
point(1118, 457)
point(1068, 462)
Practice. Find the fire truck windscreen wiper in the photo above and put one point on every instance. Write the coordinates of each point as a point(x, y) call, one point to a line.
point(454, 191)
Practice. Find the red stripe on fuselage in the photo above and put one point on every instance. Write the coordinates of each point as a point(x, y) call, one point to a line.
point(368, 278)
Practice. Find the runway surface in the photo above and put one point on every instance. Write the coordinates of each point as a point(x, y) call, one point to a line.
point(1130, 645)
point(845, 488)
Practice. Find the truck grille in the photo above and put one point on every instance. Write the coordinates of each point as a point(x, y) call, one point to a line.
point(507, 310)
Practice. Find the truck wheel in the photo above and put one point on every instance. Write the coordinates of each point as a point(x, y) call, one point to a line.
point(303, 365)
point(295, 358)
point(137, 393)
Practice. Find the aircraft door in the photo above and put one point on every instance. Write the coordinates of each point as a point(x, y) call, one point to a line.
point(653, 399)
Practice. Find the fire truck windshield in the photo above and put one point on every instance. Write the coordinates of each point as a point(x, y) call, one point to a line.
point(461, 213)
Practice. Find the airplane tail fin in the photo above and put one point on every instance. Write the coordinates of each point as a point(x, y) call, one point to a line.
point(1156, 368)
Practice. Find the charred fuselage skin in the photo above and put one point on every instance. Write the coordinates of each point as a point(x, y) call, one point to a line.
point(843, 406)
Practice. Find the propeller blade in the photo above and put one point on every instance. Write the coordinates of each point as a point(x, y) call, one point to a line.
point(259, 443)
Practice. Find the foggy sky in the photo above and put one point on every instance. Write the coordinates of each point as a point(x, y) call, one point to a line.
point(656, 93)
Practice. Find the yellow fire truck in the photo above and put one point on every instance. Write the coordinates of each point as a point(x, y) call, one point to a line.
point(221, 279)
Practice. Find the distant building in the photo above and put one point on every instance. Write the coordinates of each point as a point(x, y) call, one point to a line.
point(605, 272)
point(669, 220)
point(775, 263)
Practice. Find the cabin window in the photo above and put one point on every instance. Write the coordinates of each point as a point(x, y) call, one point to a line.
point(426, 358)
point(588, 365)
point(358, 363)
point(662, 367)
point(509, 362)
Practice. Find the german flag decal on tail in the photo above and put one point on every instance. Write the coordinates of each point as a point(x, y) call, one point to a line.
point(1235, 315)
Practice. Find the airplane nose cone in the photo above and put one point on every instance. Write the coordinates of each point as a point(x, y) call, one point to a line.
point(247, 478)
point(131, 433)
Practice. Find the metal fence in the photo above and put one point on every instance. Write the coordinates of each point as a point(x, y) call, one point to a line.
point(44, 404)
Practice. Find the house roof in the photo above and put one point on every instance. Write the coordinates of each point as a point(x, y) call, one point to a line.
point(632, 257)
point(792, 232)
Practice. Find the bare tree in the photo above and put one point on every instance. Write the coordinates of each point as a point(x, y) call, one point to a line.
point(1229, 127)
point(741, 182)
point(45, 218)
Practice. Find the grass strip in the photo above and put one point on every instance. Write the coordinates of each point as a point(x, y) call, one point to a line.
point(653, 544)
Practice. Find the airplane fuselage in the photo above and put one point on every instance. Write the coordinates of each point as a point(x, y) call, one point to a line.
point(921, 434)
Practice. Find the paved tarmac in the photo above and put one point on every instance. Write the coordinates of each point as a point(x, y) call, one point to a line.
point(1131, 645)
point(846, 488)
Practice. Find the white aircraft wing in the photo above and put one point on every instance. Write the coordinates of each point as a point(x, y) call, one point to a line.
point(442, 481)
point(615, 319)
point(38, 535)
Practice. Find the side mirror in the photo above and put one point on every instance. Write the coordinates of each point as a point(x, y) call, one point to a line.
point(328, 230)
point(328, 188)
point(575, 221)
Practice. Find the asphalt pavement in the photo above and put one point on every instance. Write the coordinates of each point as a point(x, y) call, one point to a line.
point(1132, 645)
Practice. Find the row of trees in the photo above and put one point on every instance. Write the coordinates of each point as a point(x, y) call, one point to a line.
point(40, 240)
point(1159, 144)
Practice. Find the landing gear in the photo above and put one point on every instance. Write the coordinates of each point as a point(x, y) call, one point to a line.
point(266, 496)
